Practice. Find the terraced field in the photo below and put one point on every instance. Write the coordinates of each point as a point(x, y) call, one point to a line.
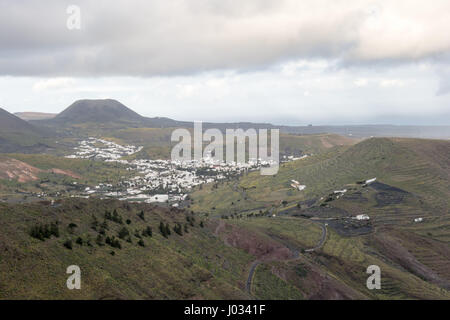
point(392, 161)
point(412, 182)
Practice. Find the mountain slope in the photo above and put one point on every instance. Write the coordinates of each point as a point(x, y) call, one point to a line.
point(10, 123)
point(408, 231)
point(418, 166)
point(17, 135)
point(135, 265)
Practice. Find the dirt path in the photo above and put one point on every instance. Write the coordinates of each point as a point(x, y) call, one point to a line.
point(295, 255)
point(219, 228)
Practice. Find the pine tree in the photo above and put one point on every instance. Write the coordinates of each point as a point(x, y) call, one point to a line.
point(137, 234)
point(68, 244)
point(79, 241)
point(99, 240)
point(54, 230)
point(141, 215)
point(162, 229)
point(178, 229)
point(108, 215)
point(123, 233)
point(116, 217)
point(147, 232)
point(94, 223)
point(105, 225)
point(168, 229)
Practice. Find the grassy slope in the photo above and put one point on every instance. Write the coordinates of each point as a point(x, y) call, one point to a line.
point(414, 262)
point(157, 143)
point(338, 269)
point(412, 257)
point(87, 172)
point(312, 144)
point(91, 171)
point(391, 160)
point(188, 266)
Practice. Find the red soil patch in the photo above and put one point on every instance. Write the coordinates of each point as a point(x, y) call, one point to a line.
point(15, 169)
point(263, 248)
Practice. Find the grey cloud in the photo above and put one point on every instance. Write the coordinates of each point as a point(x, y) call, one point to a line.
point(147, 38)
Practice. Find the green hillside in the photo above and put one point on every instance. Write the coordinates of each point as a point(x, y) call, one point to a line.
point(412, 183)
point(185, 266)
point(157, 144)
point(396, 162)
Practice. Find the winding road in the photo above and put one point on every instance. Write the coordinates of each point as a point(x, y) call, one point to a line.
point(322, 240)
point(248, 285)
point(295, 253)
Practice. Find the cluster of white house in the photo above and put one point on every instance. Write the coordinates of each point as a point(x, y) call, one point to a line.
point(102, 149)
point(157, 180)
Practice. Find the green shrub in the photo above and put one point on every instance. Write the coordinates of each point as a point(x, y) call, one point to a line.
point(178, 229)
point(99, 240)
point(68, 244)
point(79, 241)
point(45, 231)
point(147, 232)
point(123, 233)
point(162, 229)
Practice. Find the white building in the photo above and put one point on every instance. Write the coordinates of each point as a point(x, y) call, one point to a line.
point(362, 217)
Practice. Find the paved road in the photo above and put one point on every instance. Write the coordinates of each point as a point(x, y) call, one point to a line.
point(295, 254)
point(248, 285)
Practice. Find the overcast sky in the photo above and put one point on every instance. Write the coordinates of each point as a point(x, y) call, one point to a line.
point(285, 62)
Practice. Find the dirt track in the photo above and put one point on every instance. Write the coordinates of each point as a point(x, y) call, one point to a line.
point(295, 255)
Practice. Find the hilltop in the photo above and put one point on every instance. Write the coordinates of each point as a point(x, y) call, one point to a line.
point(101, 111)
